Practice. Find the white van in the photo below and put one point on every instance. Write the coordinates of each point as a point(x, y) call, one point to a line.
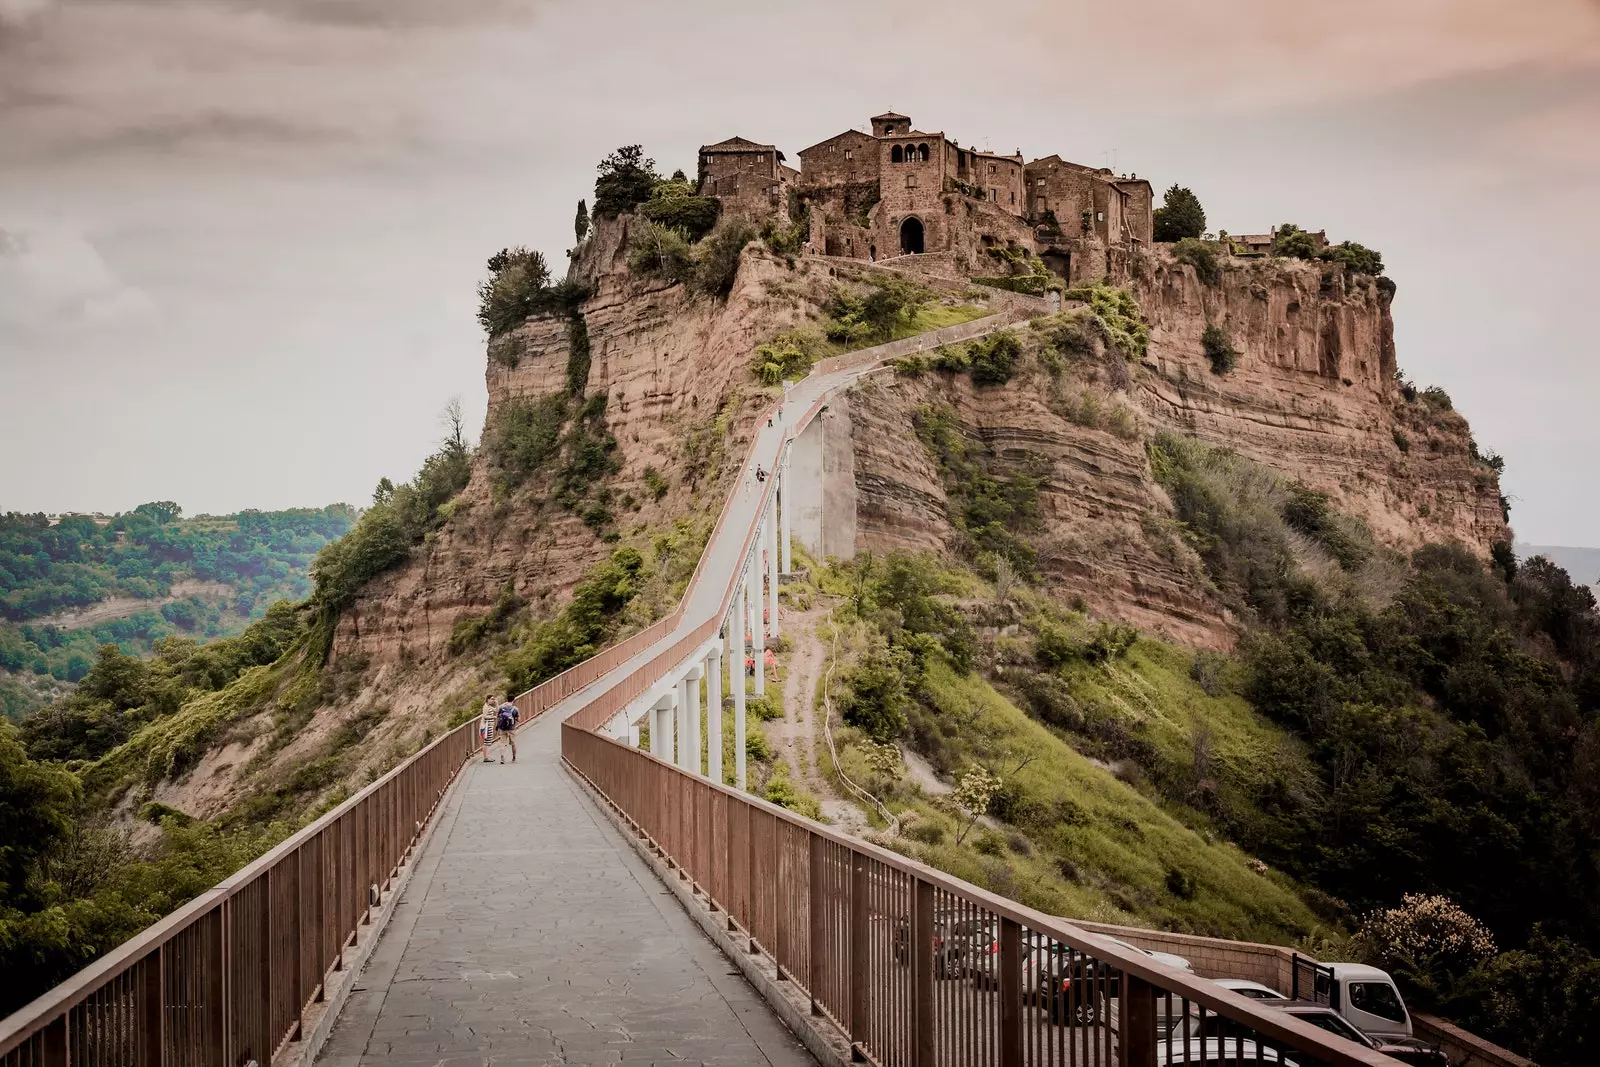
point(1366, 996)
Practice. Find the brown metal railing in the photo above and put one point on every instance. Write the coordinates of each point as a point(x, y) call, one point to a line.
point(919, 969)
point(227, 978)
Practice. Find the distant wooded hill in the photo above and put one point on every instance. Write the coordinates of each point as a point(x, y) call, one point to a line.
point(70, 585)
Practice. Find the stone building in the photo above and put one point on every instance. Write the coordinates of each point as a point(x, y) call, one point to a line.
point(750, 179)
point(902, 191)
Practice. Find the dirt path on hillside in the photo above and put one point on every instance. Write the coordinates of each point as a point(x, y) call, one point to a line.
point(798, 735)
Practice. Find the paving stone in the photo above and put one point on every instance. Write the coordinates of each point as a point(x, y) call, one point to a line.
point(531, 934)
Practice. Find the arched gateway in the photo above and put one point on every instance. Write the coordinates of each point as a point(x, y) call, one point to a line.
point(911, 235)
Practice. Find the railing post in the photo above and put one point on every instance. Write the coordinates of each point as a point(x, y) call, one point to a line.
point(297, 989)
point(54, 1042)
point(860, 950)
point(217, 989)
point(922, 963)
point(152, 993)
point(1010, 993)
point(1136, 1032)
point(819, 914)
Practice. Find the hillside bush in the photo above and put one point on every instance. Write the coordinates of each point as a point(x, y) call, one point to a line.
point(783, 359)
point(994, 358)
point(579, 631)
point(1292, 242)
point(1202, 256)
point(1359, 259)
point(888, 305)
point(675, 205)
point(1219, 348)
point(875, 698)
point(1116, 315)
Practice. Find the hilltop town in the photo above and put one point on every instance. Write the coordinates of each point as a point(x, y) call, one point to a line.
point(901, 191)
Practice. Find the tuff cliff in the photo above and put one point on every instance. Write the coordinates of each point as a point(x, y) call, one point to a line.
point(1312, 395)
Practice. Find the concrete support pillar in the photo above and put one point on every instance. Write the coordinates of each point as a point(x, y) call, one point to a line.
point(661, 714)
point(758, 643)
point(736, 678)
point(786, 526)
point(682, 747)
point(714, 715)
point(633, 734)
point(691, 718)
point(772, 566)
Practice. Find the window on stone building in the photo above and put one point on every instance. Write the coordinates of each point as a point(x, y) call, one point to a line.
point(896, 155)
point(991, 168)
point(911, 181)
point(1038, 205)
point(922, 152)
point(1039, 182)
point(751, 161)
point(994, 194)
point(848, 154)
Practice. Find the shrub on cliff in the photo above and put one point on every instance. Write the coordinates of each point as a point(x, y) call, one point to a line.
point(626, 180)
point(1219, 349)
point(717, 264)
point(1200, 255)
point(1180, 215)
point(1292, 242)
point(674, 203)
point(659, 251)
point(524, 435)
point(994, 358)
point(519, 287)
point(1359, 259)
point(890, 304)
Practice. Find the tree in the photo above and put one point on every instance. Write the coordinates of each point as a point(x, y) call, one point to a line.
point(626, 181)
point(455, 424)
point(580, 225)
point(1292, 242)
point(161, 511)
point(1180, 215)
point(973, 794)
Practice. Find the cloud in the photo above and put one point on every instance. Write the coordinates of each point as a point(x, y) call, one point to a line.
point(54, 282)
point(1265, 53)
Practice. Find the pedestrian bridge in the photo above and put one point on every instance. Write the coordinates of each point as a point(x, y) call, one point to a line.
point(597, 903)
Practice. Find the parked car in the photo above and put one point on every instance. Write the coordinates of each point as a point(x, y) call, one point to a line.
point(957, 939)
point(1081, 990)
point(1216, 1052)
point(1246, 988)
point(1409, 1050)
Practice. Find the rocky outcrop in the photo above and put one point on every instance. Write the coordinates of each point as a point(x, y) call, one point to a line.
point(1312, 395)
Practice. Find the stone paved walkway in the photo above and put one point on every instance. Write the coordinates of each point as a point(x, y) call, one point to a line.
point(532, 933)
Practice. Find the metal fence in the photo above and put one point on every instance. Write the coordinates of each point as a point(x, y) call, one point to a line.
point(227, 978)
point(919, 969)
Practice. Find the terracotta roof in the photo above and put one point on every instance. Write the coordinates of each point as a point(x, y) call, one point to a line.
point(737, 144)
point(890, 115)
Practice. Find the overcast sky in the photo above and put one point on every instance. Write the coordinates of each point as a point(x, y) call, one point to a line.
point(239, 238)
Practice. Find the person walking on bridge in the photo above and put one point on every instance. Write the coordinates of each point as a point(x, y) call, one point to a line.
point(505, 727)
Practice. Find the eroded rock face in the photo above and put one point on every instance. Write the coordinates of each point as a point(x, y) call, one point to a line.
point(679, 398)
point(1312, 396)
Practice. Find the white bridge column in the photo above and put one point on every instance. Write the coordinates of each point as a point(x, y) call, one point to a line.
point(714, 714)
point(661, 726)
point(786, 504)
point(754, 599)
point(737, 624)
point(681, 750)
point(691, 719)
point(772, 566)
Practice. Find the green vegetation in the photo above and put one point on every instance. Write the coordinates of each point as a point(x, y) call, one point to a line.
point(887, 310)
point(994, 358)
point(399, 518)
point(626, 180)
point(518, 288)
point(1219, 349)
point(141, 555)
point(1180, 215)
point(674, 205)
point(580, 631)
point(1448, 711)
point(1116, 316)
point(1026, 274)
point(786, 358)
point(1202, 256)
point(1034, 815)
point(992, 513)
point(707, 267)
point(1291, 241)
point(580, 224)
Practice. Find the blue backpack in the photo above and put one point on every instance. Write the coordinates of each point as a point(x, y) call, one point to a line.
point(507, 720)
